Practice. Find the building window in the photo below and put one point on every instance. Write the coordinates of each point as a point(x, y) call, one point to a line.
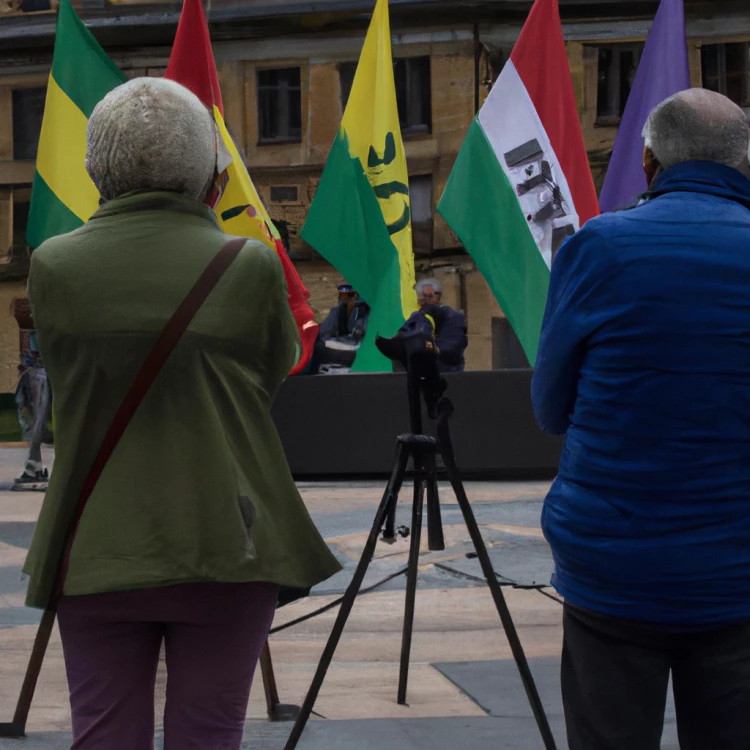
point(413, 92)
point(420, 199)
point(21, 204)
point(284, 194)
point(280, 105)
point(618, 64)
point(28, 112)
point(726, 69)
point(507, 352)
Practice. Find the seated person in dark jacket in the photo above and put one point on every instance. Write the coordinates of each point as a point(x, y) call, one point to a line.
point(451, 338)
point(342, 331)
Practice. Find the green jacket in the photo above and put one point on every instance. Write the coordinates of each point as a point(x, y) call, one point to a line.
point(198, 488)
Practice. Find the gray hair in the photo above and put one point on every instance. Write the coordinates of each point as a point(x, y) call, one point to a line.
point(151, 134)
point(697, 125)
point(422, 284)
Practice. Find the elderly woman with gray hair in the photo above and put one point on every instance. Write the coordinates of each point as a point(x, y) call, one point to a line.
point(195, 521)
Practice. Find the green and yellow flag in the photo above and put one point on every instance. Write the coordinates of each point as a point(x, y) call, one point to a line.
point(360, 219)
point(64, 197)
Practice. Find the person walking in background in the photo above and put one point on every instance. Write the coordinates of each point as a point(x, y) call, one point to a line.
point(196, 520)
point(644, 363)
point(34, 403)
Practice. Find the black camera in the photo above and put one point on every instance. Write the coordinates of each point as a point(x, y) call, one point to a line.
point(416, 350)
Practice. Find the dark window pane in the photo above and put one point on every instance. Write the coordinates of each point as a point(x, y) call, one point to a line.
point(737, 72)
point(346, 79)
point(280, 104)
point(604, 75)
point(507, 352)
point(618, 64)
point(726, 69)
point(35, 6)
point(414, 95)
point(710, 62)
point(284, 194)
point(28, 111)
point(20, 221)
point(420, 198)
point(627, 74)
point(402, 92)
point(295, 113)
point(420, 97)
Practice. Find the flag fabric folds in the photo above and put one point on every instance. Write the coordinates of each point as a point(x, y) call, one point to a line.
point(521, 183)
point(240, 210)
point(360, 218)
point(664, 70)
point(64, 196)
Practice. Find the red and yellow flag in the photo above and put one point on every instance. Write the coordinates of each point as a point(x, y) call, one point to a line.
point(240, 210)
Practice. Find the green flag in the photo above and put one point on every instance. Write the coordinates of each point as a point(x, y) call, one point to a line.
point(360, 219)
point(63, 196)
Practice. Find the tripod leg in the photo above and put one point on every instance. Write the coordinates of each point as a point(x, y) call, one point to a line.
point(434, 518)
point(390, 498)
point(276, 710)
point(411, 580)
point(269, 680)
point(527, 678)
point(18, 727)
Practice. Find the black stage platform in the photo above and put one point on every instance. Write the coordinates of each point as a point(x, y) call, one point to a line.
point(346, 425)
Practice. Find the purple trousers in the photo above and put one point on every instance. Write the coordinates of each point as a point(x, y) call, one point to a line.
point(213, 634)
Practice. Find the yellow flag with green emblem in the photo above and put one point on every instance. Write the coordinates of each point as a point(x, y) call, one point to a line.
point(360, 219)
point(64, 197)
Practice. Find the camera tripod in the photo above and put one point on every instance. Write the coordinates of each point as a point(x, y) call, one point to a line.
point(424, 451)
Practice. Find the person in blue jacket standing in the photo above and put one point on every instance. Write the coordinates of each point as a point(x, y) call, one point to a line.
point(644, 364)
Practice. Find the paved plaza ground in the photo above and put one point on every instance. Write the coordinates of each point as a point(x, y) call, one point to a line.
point(463, 690)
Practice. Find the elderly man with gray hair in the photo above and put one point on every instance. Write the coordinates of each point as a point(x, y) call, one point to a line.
point(644, 364)
point(451, 334)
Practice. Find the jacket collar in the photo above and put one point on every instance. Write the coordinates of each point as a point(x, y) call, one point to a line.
point(704, 177)
point(139, 202)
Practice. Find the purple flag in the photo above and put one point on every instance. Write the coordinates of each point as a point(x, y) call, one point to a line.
point(663, 71)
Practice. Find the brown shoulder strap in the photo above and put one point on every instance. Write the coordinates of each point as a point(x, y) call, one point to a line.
point(150, 369)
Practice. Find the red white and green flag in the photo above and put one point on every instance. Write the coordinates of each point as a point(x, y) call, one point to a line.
point(240, 210)
point(522, 183)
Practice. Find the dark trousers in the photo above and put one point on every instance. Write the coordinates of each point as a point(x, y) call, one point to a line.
point(615, 675)
point(212, 634)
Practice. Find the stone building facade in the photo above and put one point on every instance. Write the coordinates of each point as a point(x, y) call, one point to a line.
point(285, 71)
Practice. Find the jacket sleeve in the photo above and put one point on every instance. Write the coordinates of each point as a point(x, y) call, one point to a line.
point(34, 284)
point(38, 288)
point(329, 327)
point(285, 346)
point(576, 307)
point(452, 338)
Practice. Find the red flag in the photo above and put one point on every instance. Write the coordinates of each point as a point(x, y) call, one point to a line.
point(192, 60)
point(192, 64)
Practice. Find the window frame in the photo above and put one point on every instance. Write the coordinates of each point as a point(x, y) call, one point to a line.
point(288, 137)
point(722, 73)
point(613, 115)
